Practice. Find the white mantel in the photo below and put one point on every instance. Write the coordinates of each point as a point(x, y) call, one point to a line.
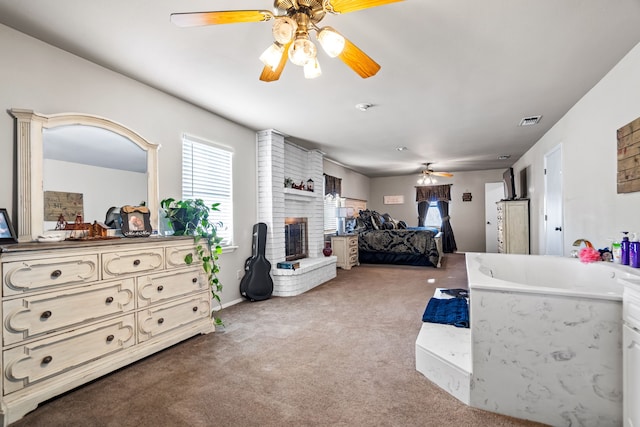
point(277, 160)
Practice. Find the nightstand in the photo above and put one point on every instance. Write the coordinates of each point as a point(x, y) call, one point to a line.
point(345, 247)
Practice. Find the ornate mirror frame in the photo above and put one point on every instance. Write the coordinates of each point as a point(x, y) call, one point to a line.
point(29, 153)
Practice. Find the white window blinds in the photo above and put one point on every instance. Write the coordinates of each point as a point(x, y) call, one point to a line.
point(207, 175)
point(331, 202)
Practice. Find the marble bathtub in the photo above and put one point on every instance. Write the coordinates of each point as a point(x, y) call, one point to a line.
point(546, 338)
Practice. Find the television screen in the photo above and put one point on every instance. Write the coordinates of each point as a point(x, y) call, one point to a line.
point(509, 184)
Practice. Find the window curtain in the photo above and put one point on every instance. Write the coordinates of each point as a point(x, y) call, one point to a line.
point(448, 239)
point(432, 193)
point(423, 208)
point(332, 185)
point(441, 194)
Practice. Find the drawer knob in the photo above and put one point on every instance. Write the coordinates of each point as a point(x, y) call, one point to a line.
point(109, 300)
point(160, 288)
point(194, 280)
point(56, 274)
point(136, 262)
point(46, 359)
point(160, 321)
point(45, 315)
point(195, 308)
point(110, 338)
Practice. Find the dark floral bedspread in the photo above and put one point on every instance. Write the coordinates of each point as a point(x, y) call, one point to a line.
point(410, 242)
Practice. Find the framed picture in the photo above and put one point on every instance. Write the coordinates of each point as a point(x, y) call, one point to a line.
point(135, 221)
point(393, 200)
point(7, 235)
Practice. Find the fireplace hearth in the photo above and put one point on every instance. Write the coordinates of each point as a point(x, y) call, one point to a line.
point(295, 238)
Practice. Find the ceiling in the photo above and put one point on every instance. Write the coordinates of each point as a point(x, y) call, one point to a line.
point(457, 76)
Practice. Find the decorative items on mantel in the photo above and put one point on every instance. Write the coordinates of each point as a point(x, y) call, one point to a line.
point(290, 183)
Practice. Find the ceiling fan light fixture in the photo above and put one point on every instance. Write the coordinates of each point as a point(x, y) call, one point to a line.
point(331, 41)
point(284, 29)
point(312, 69)
point(302, 50)
point(272, 55)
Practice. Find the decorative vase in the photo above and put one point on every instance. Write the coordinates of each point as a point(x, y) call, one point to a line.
point(327, 251)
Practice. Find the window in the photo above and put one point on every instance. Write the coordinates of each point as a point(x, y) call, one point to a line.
point(207, 175)
point(331, 202)
point(433, 216)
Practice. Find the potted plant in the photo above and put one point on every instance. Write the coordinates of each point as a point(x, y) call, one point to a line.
point(190, 217)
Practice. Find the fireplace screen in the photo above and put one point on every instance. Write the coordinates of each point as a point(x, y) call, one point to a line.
point(295, 238)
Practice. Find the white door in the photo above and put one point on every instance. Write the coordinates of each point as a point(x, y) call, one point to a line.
point(493, 192)
point(554, 236)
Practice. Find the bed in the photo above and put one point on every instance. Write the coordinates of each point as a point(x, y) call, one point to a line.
point(420, 246)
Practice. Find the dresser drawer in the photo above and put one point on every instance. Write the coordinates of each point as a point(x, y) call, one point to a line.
point(353, 241)
point(175, 256)
point(166, 318)
point(353, 250)
point(40, 274)
point(31, 316)
point(157, 287)
point(131, 262)
point(37, 361)
point(353, 259)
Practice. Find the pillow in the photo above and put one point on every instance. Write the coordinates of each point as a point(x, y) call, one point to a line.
point(402, 225)
point(365, 216)
point(360, 225)
point(377, 221)
point(390, 223)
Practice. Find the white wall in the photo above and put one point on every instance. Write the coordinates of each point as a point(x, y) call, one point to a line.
point(42, 78)
point(592, 208)
point(467, 218)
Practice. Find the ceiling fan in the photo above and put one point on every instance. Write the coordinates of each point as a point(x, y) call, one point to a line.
point(427, 175)
point(293, 21)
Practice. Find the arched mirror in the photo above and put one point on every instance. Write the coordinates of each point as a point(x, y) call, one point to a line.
point(79, 154)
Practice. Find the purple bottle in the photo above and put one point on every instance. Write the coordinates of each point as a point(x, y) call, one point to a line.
point(634, 252)
point(624, 249)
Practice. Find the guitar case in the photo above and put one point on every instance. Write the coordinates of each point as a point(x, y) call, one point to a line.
point(256, 284)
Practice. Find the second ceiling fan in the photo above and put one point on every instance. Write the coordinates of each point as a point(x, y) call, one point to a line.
point(294, 20)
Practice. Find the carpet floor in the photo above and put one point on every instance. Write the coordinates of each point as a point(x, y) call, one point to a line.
point(342, 354)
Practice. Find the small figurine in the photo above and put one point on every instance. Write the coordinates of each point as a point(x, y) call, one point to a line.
point(62, 223)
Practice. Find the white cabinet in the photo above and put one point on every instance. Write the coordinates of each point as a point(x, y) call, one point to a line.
point(513, 226)
point(74, 311)
point(345, 247)
point(631, 354)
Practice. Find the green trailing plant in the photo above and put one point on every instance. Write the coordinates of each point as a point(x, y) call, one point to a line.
point(190, 217)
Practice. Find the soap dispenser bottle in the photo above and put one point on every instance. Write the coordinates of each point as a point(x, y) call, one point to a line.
point(624, 249)
point(634, 251)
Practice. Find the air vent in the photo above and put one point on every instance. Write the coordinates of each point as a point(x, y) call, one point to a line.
point(531, 120)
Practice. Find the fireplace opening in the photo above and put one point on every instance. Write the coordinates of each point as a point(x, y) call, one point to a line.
point(295, 238)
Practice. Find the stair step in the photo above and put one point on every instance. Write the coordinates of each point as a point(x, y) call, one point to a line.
point(443, 355)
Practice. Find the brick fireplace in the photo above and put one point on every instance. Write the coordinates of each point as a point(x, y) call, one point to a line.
point(277, 160)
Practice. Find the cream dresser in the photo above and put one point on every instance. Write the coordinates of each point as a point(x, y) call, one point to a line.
point(513, 226)
point(73, 311)
point(345, 247)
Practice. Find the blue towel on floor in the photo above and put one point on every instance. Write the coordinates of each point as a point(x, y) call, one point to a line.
point(454, 311)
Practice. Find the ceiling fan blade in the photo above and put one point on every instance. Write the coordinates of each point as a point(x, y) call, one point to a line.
point(358, 61)
point(271, 75)
point(346, 6)
point(196, 19)
point(445, 174)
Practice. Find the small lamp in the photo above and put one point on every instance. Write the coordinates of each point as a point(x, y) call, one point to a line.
point(309, 184)
point(341, 214)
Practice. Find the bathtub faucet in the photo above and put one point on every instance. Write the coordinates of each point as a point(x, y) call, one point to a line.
point(585, 241)
point(577, 243)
